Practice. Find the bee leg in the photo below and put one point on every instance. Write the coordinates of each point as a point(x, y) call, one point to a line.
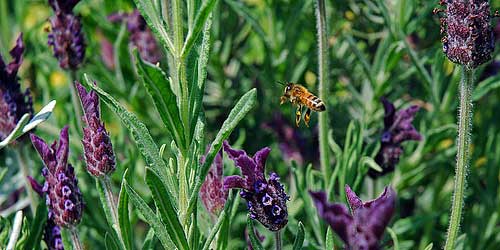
point(298, 114)
point(282, 99)
point(307, 117)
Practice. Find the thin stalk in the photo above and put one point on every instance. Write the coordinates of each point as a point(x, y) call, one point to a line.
point(26, 172)
point(110, 201)
point(75, 239)
point(463, 143)
point(76, 101)
point(278, 240)
point(16, 230)
point(323, 87)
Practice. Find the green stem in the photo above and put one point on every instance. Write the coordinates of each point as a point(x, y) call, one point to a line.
point(16, 230)
point(278, 240)
point(110, 201)
point(323, 88)
point(75, 239)
point(19, 152)
point(76, 101)
point(463, 143)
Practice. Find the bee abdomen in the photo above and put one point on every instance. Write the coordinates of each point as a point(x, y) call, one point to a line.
point(316, 104)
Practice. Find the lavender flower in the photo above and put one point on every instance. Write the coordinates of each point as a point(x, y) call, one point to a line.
point(212, 192)
point(97, 146)
point(266, 199)
point(13, 103)
point(66, 36)
point(107, 53)
point(63, 197)
point(467, 34)
point(364, 228)
point(397, 129)
point(52, 235)
point(140, 35)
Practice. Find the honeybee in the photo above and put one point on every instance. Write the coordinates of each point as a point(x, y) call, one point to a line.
point(300, 96)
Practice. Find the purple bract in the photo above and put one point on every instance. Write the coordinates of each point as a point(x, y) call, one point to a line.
point(364, 228)
point(266, 199)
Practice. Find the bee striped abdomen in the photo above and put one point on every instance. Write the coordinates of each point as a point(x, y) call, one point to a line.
point(313, 102)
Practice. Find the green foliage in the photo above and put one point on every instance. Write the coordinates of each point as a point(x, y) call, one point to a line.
point(216, 81)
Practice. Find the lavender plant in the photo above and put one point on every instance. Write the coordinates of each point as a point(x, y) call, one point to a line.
point(467, 41)
point(174, 74)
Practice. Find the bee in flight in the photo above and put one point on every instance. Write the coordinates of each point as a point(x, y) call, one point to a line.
point(300, 96)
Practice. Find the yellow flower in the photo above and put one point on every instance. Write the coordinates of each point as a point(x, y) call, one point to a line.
point(58, 79)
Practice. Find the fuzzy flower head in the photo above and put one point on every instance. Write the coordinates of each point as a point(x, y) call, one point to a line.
point(97, 146)
point(66, 35)
point(63, 197)
point(363, 228)
point(52, 232)
point(13, 103)
point(397, 129)
point(140, 35)
point(266, 199)
point(212, 192)
point(467, 33)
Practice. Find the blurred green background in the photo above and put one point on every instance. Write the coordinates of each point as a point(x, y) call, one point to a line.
point(256, 43)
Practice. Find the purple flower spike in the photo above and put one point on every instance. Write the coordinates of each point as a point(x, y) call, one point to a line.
point(66, 36)
point(97, 145)
point(140, 35)
point(266, 199)
point(60, 181)
point(212, 192)
point(365, 227)
point(467, 33)
point(398, 128)
point(13, 103)
point(52, 235)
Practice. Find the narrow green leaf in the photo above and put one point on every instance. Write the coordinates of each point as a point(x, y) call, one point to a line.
point(150, 217)
point(123, 215)
point(37, 226)
point(299, 238)
point(109, 242)
point(66, 239)
point(24, 124)
point(198, 87)
point(329, 239)
point(214, 230)
point(150, 14)
point(429, 247)
point(242, 107)
point(485, 87)
point(254, 240)
point(164, 99)
point(150, 241)
point(394, 238)
point(140, 134)
point(199, 22)
point(164, 203)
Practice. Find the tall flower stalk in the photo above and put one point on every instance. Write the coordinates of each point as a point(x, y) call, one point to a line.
point(467, 40)
point(323, 87)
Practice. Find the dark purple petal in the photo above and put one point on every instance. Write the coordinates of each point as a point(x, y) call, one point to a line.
point(336, 215)
point(63, 5)
point(390, 111)
point(354, 201)
point(380, 211)
point(17, 56)
point(231, 152)
point(235, 181)
point(260, 159)
point(63, 149)
point(37, 187)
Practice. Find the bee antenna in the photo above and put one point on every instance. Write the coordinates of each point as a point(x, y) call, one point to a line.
point(281, 83)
